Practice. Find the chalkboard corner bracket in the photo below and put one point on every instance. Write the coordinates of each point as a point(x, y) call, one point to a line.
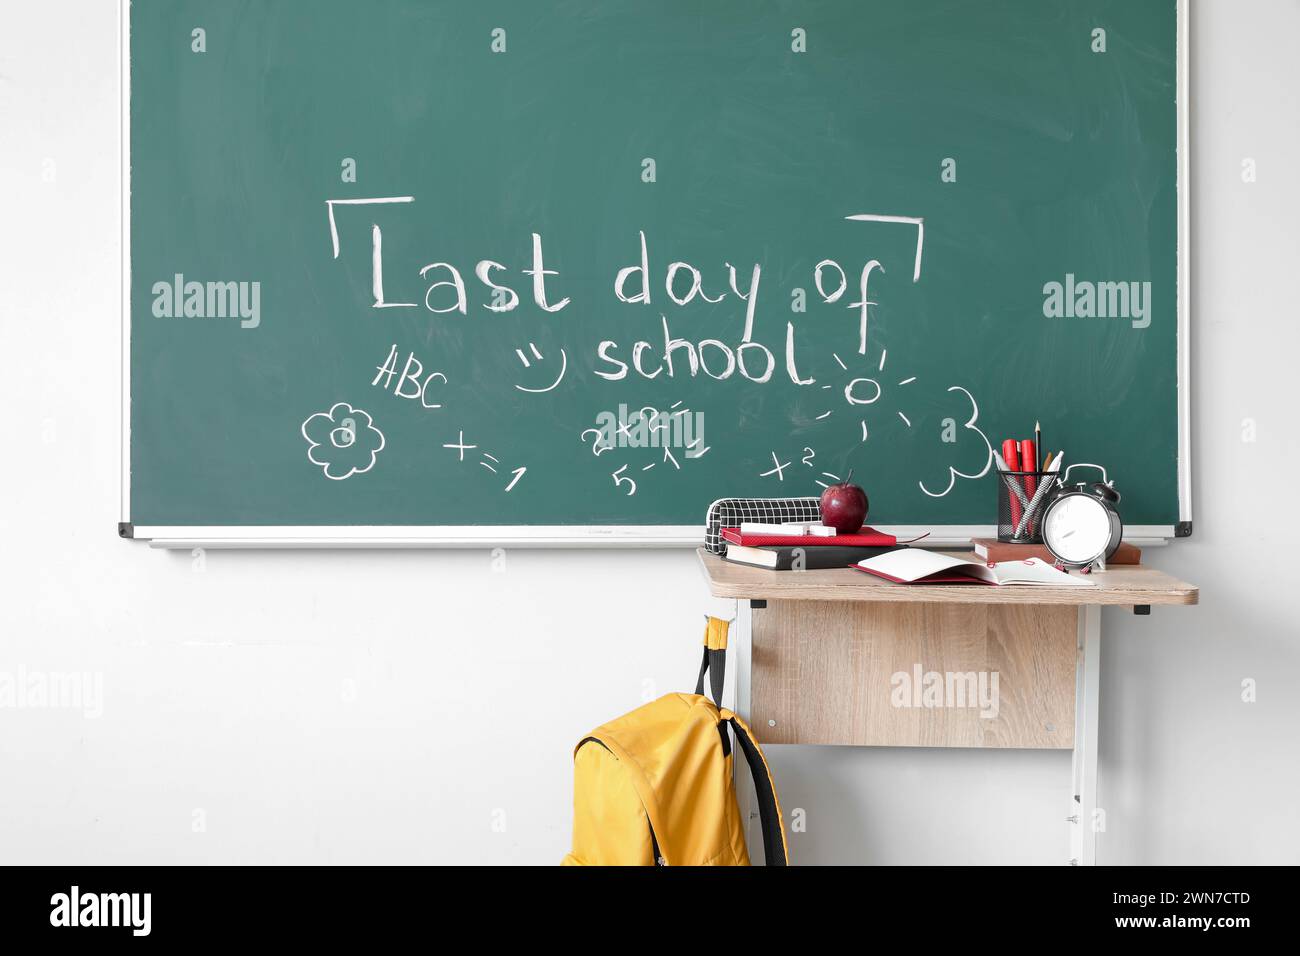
point(1183, 529)
point(125, 529)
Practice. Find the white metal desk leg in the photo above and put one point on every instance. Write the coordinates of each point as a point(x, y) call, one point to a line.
point(1087, 680)
point(738, 661)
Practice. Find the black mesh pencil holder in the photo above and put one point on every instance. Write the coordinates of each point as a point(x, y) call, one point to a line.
point(1020, 506)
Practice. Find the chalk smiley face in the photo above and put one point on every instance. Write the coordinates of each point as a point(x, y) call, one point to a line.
point(537, 356)
point(342, 441)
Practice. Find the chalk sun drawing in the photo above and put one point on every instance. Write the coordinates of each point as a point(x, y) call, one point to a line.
point(350, 441)
point(862, 391)
point(865, 391)
point(953, 473)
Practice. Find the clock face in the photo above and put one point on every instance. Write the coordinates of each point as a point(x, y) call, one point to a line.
point(1077, 529)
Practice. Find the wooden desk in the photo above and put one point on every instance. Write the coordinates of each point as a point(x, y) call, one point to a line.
point(841, 657)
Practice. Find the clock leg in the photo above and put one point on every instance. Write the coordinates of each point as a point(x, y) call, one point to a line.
point(1086, 818)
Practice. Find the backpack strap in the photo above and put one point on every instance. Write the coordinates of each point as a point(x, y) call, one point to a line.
point(715, 657)
point(714, 663)
point(775, 851)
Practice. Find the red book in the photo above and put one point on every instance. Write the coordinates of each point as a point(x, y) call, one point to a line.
point(930, 579)
point(991, 549)
point(866, 538)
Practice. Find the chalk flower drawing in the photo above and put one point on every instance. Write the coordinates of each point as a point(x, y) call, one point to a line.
point(343, 441)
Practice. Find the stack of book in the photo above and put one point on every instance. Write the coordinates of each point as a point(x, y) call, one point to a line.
point(991, 549)
point(803, 546)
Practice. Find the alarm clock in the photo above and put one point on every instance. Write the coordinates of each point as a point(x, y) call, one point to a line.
point(1081, 526)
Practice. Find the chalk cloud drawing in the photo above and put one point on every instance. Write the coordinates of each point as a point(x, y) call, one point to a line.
point(342, 441)
point(970, 425)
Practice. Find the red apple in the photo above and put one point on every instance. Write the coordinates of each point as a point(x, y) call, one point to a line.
point(844, 506)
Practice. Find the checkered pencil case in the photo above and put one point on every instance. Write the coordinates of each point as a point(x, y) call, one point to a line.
point(732, 512)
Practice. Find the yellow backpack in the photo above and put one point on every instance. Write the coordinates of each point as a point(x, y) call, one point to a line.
point(654, 787)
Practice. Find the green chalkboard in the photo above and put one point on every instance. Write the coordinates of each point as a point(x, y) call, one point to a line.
point(1002, 176)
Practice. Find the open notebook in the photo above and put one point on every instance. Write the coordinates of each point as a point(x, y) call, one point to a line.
point(915, 566)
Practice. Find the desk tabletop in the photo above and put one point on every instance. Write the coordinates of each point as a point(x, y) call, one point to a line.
point(1120, 585)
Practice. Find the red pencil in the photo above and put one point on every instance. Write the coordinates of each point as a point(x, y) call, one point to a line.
point(1011, 455)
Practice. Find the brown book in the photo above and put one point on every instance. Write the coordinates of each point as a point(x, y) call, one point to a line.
point(991, 549)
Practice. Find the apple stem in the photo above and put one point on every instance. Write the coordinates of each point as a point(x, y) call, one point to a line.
point(850, 477)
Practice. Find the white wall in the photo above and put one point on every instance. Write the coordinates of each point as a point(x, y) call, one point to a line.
point(368, 707)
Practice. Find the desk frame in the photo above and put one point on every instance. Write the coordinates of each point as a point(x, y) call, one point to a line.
point(1135, 587)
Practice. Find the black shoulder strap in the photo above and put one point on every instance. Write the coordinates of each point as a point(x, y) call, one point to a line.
point(769, 811)
point(714, 662)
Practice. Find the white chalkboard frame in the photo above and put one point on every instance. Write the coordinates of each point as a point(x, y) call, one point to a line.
point(611, 536)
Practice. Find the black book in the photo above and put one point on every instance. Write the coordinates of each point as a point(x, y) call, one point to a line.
point(812, 557)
